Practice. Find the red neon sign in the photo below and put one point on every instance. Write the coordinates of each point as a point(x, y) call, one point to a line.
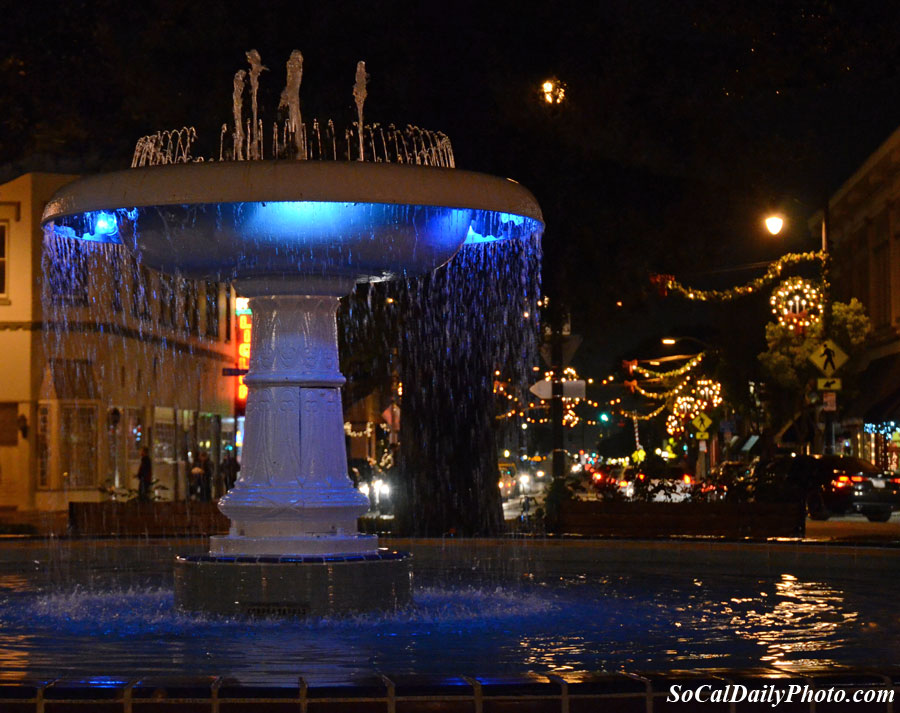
point(245, 327)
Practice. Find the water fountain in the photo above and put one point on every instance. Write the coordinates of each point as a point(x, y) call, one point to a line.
point(294, 235)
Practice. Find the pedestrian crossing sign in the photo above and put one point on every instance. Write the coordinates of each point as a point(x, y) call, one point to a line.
point(828, 357)
point(701, 422)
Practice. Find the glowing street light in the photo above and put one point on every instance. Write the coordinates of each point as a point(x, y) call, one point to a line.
point(774, 224)
point(553, 91)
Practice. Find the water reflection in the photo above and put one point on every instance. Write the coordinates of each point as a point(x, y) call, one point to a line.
point(803, 617)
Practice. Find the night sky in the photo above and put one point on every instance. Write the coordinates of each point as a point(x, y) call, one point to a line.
point(683, 121)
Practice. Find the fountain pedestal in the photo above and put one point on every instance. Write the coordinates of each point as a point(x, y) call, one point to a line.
point(293, 546)
point(294, 496)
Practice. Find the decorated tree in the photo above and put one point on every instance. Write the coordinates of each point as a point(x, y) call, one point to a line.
point(791, 374)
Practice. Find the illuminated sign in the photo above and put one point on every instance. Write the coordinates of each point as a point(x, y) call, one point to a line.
point(244, 330)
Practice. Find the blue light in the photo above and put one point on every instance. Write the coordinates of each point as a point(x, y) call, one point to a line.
point(96, 226)
point(105, 224)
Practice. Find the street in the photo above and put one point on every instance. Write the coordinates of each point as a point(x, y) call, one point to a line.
point(854, 528)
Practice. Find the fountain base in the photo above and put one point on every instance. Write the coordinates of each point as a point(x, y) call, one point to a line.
point(296, 545)
point(308, 585)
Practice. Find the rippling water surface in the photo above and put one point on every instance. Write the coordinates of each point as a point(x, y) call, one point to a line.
point(570, 624)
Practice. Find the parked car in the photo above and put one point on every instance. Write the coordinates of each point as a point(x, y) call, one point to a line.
point(729, 480)
point(509, 479)
point(673, 484)
point(828, 485)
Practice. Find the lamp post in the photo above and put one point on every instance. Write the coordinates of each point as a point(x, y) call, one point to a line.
point(704, 460)
point(774, 224)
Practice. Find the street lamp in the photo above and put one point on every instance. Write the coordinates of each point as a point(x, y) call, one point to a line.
point(826, 304)
point(774, 224)
point(553, 91)
point(671, 341)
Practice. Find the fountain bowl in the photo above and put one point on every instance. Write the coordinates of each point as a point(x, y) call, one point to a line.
point(264, 224)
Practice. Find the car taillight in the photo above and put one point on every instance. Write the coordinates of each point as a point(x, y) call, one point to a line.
point(895, 480)
point(598, 476)
point(640, 476)
point(842, 481)
point(857, 478)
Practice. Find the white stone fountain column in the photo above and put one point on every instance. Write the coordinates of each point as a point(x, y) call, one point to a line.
point(294, 495)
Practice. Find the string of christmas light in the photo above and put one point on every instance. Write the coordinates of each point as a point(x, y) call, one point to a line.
point(668, 283)
point(570, 417)
point(797, 302)
point(634, 415)
point(348, 429)
point(636, 387)
point(886, 428)
point(633, 367)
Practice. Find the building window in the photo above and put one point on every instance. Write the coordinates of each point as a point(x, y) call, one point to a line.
point(78, 445)
point(140, 291)
point(3, 254)
point(227, 311)
point(134, 435)
point(212, 310)
point(43, 447)
point(191, 307)
point(168, 316)
point(9, 424)
point(66, 269)
point(116, 258)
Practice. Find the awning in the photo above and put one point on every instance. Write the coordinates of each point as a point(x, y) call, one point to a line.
point(73, 379)
point(879, 392)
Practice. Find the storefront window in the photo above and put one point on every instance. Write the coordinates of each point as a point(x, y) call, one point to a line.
point(78, 440)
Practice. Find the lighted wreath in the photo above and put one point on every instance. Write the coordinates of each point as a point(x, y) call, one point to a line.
point(708, 393)
point(674, 425)
point(797, 302)
point(686, 407)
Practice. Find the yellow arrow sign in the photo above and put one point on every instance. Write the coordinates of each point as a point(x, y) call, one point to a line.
point(828, 357)
point(701, 421)
point(702, 435)
point(832, 384)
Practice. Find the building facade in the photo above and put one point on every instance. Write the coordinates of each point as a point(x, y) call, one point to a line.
point(864, 240)
point(100, 358)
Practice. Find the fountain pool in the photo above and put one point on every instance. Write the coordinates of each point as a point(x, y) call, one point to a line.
point(481, 608)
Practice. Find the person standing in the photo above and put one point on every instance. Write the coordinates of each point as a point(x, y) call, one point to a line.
point(205, 477)
point(230, 468)
point(145, 476)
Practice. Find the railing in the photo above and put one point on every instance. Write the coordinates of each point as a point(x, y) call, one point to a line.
point(420, 694)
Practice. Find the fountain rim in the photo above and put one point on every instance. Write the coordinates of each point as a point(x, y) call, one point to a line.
point(223, 182)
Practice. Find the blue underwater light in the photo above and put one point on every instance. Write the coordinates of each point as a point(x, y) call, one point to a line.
point(94, 226)
point(105, 224)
